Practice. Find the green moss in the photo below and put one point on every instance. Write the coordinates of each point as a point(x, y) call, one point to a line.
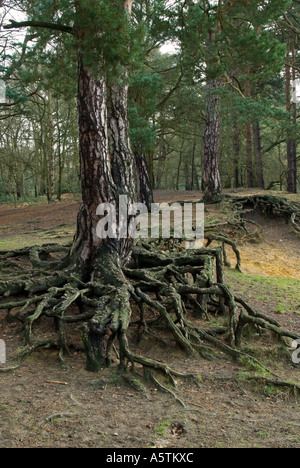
point(62, 234)
point(161, 429)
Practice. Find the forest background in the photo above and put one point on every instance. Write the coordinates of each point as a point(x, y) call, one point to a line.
point(196, 82)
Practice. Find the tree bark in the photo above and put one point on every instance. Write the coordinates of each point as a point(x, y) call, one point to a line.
point(106, 173)
point(211, 180)
point(294, 114)
point(187, 176)
point(50, 152)
point(106, 158)
point(95, 174)
point(236, 150)
point(258, 155)
point(291, 143)
point(62, 143)
point(106, 164)
point(194, 181)
point(143, 182)
point(249, 145)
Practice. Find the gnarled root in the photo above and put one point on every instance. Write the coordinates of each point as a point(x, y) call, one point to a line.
point(174, 290)
point(272, 207)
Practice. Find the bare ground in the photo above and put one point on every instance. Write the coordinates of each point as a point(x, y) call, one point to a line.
point(43, 406)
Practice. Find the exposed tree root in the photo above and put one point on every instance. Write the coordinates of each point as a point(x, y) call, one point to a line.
point(6, 370)
point(224, 240)
point(273, 383)
point(270, 206)
point(172, 290)
point(268, 383)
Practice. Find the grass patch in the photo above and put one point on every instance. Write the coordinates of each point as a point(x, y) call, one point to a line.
point(19, 242)
point(279, 295)
point(162, 428)
point(63, 235)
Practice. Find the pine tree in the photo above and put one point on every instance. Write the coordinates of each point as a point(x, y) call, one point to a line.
point(232, 44)
point(100, 33)
point(291, 30)
point(103, 276)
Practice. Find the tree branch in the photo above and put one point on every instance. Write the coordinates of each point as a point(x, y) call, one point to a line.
point(19, 101)
point(273, 145)
point(16, 64)
point(165, 99)
point(39, 24)
point(289, 24)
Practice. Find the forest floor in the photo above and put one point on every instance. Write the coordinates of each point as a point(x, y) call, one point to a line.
point(43, 406)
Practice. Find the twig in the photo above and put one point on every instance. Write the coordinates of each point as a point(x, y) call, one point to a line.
point(56, 382)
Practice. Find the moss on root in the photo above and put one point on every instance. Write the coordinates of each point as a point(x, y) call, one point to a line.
point(176, 288)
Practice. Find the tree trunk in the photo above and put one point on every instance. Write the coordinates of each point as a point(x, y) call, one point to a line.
point(236, 150)
point(211, 180)
point(106, 160)
point(249, 145)
point(179, 166)
point(62, 143)
point(50, 153)
point(187, 176)
point(106, 164)
point(194, 171)
point(106, 173)
point(249, 159)
point(143, 182)
point(258, 154)
point(291, 143)
point(60, 165)
point(294, 112)
point(196, 178)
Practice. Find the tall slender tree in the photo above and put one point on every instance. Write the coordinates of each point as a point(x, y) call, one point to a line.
point(291, 107)
point(258, 154)
point(211, 180)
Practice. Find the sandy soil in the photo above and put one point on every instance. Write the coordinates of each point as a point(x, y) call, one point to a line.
point(278, 256)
